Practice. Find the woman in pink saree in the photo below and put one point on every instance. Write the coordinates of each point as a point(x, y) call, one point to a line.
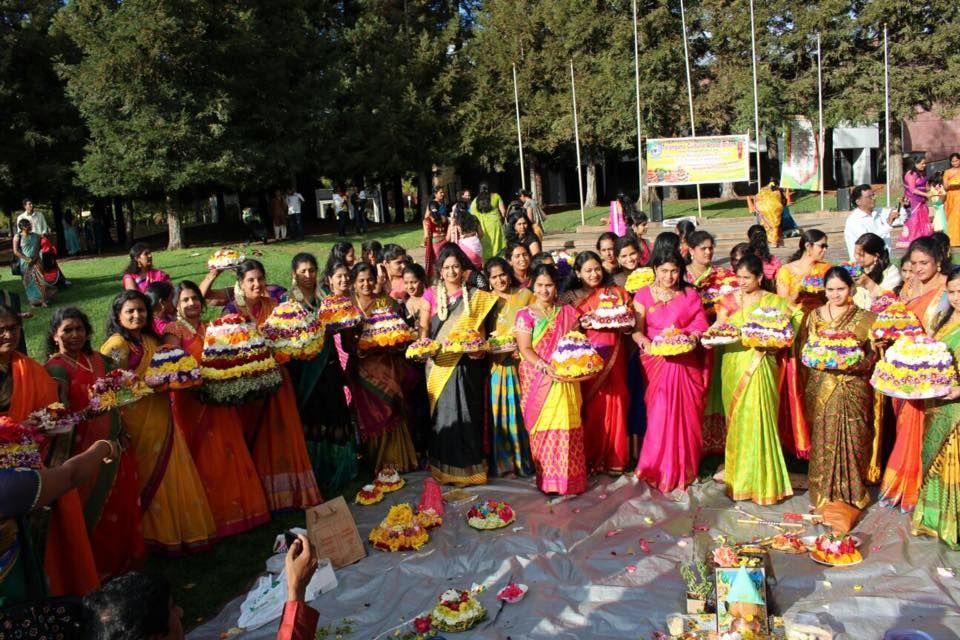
point(675, 385)
point(918, 224)
point(551, 408)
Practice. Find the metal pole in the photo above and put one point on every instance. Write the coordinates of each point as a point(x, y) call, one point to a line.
point(576, 135)
point(820, 140)
point(693, 129)
point(516, 102)
point(756, 105)
point(886, 106)
point(636, 77)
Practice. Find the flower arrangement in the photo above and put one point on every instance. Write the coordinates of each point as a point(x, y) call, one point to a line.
point(54, 419)
point(719, 334)
point(855, 269)
point(883, 300)
point(384, 329)
point(490, 514)
point(831, 349)
point(672, 342)
point(422, 349)
point(293, 333)
point(399, 531)
point(369, 494)
point(464, 341)
point(505, 343)
point(638, 279)
point(896, 321)
point(19, 445)
point(118, 388)
point(457, 610)
point(767, 328)
point(915, 368)
point(429, 518)
point(812, 283)
point(225, 258)
point(388, 480)
point(836, 549)
point(172, 368)
point(512, 593)
point(237, 366)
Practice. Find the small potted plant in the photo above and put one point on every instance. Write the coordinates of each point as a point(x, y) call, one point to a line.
point(699, 580)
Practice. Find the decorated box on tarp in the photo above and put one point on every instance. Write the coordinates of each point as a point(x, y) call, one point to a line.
point(742, 599)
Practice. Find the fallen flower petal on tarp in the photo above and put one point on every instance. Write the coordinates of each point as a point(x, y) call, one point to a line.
point(644, 545)
point(615, 532)
point(946, 572)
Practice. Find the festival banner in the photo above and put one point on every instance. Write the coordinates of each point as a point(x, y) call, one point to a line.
point(700, 160)
point(800, 156)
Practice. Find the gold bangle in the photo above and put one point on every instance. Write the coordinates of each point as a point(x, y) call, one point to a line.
point(110, 455)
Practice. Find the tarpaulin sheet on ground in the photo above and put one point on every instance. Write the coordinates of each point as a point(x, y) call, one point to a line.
point(584, 584)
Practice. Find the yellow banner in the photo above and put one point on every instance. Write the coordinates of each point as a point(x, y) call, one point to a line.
point(710, 159)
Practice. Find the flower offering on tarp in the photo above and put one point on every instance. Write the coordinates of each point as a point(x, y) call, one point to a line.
point(490, 514)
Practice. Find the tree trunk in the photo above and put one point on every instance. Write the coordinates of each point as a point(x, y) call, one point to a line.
point(118, 221)
point(536, 180)
point(222, 217)
point(398, 199)
point(174, 228)
point(895, 165)
point(57, 206)
point(726, 191)
point(128, 223)
point(101, 210)
point(425, 189)
point(590, 196)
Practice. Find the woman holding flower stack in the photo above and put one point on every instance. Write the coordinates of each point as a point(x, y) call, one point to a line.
point(551, 407)
point(675, 384)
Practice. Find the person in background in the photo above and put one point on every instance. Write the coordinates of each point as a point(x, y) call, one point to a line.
point(278, 215)
point(770, 205)
point(879, 274)
point(684, 229)
point(607, 250)
point(254, 225)
point(359, 209)
point(639, 222)
point(737, 253)
point(160, 295)
point(341, 252)
point(465, 231)
point(534, 212)
point(140, 272)
point(490, 211)
point(12, 300)
point(757, 239)
point(394, 260)
point(371, 252)
point(866, 218)
point(294, 207)
point(341, 208)
point(436, 225)
point(26, 249)
point(936, 202)
point(520, 229)
point(951, 199)
point(134, 606)
point(70, 235)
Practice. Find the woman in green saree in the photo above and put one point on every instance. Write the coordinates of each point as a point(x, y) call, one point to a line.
point(755, 467)
point(319, 383)
point(938, 508)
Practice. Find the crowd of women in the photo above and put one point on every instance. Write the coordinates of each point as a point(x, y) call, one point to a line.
point(178, 474)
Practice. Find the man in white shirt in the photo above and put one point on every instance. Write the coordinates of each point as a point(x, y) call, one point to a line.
point(294, 200)
point(37, 221)
point(865, 218)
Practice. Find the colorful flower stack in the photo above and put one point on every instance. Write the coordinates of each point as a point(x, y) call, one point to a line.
point(575, 358)
point(368, 495)
point(896, 321)
point(171, 369)
point(384, 329)
point(399, 531)
point(490, 514)
point(672, 342)
point(836, 549)
point(423, 349)
point(611, 313)
point(767, 328)
point(505, 343)
point(640, 277)
point(237, 366)
point(720, 334)
point(720, 283)
point(457, 611)
point(915, 368)
point(388, 480)
point(812, 283)
point(54, 419)
point(564, 259)
point(832, 349)
point(855, 269)
point(292, 332)
point(19, 445)
point(225, 258)
point(118, 388)
point(464, 341)
point(338, 313)
point(883, 301)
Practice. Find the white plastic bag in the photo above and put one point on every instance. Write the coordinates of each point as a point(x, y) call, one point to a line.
point(264, 603)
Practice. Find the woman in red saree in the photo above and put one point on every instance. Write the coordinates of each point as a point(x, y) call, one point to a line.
point(675, 385)
point(272, 425)
point(436, 221)
point(26, 387)
point(925, 295)
point(214, 433)
point(605, 397)
point(111, 502)
point(551, 408)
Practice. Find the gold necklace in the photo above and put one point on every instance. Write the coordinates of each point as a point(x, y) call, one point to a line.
point(76, 362)
point(662, 295)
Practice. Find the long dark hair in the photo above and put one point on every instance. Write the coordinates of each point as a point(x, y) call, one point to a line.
point(758, 242)
point(627, 205)
point(452, 250)
point(666, 242)
point(807, 237)
point(874, 245)
point(698, 237)
point(929, 246)
point(839, 273)
point(497, 261)
point(512, 236)
point(483, 198)
point(157, 292)
point(753, 264)
point(302, 257)
point(249, 265)
point(188, 285)
point(113, 320)
point(676, 259)
point(332, 267)
point(61, 315)
point(136, 250)
point(952, 275)
point(684, 229)
point(338, 253)
point(548, 270)
point(573, 280)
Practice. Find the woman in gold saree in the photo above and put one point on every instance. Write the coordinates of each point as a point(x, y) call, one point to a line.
point(839, 405)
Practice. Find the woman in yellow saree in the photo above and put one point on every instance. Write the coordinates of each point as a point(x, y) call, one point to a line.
point(770, 211)
point(551, 408)
point(938, 507)
point(755, 467)
point(925, 295)
point(176, 515)
point(839, 405)
point(457, 384)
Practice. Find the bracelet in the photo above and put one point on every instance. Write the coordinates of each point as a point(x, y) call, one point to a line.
point(110, 455)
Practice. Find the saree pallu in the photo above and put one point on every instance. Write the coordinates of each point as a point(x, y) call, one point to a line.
point(379, 382)
point(176, 514)
point(839, 406)
point(34, 284)
point(214, 436)
point(510, 445)
point(755, 467)
point(770, 211)
point(714, 418)
point(605, 398)
point(551, 409)
point(636, 407)
point(938, 506)
point(473, 249)
point(918, 224)
point(903, 475)
point(111, 501)
point(274, 434)
point(951, 205)
point(67, 557)
point(437, 234)
point(457, 388)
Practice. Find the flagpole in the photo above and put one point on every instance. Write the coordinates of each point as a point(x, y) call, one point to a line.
point(516, 102)
point(693, 129)
point(820, 141)
point(636, 77)
point(886, 106)
point(576, 135)
point(756, 104)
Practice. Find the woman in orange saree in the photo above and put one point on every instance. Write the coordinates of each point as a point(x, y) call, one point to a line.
point(272, 425)
point(214, 433)
point(111, 501)
point(605, 398)
point(924, 295)
point(800, 281)
point(26, 387)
